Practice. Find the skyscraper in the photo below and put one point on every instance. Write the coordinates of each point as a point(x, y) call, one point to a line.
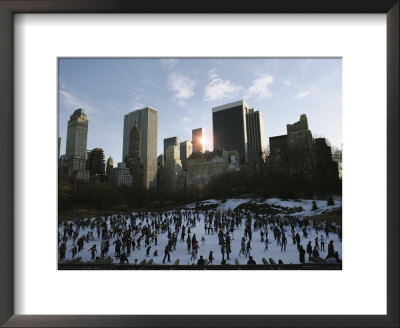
point(229, 128)
point(300, 148)
point(255, 136)
point(160, 161)
point(293, 153)
point(75, 153)
point(297, 154)
point(147, 120)
point(186, 150)
point(201, 167)
point(172, 168)
point(173, 141)
point(160, 172)
point(96, 162)
point(135, 142)
point(77, 134)
point(197, 140)
point(134, 159)
point(120, 175)
point(110, 166)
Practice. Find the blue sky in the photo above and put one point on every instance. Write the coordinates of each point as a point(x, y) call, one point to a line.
point(185, 90)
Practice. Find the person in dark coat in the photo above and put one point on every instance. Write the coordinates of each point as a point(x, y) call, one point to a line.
point(283, 243)
point(123, 258)
point(74, 250)
point(298, 240)
point(148, 251)
point(117, 249)
point(315, 252)
point(228, 250)
point(201, 261)
point(62, 250)
point(223, 251)
point(331, 250)
point(166, 253)
point(302, 254)
point(309, 250)
point(210, 257)
point(93, 251)
point(251, 261)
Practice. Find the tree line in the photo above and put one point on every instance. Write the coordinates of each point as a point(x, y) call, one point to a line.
point(255, 179)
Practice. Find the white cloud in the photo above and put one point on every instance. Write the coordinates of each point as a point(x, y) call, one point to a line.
point(287, 82)
point(305, 93)
point(302, 94)
point(212, 74)
point(138, 99)
point(260, 87)
point(218, 88)
point(181, 85)
point(169, 62)
point(186, 119)
point(73, 101)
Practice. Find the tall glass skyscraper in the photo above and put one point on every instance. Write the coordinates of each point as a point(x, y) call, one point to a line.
point(255, 136)
point(147, 120)
point(186, 150)
point(197, 140)
point(229, 127)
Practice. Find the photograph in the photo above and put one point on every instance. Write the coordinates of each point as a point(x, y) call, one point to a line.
point(199, 144)
point(199, 163)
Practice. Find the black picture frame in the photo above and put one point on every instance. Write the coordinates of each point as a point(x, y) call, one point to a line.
point(10, 7)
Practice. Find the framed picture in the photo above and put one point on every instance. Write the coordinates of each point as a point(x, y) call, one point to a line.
point(224, 190)
point(207, 194)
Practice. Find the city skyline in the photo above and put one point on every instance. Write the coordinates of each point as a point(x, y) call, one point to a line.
point(184, 91)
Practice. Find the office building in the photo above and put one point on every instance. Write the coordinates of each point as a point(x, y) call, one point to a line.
point(120, 175)
point(201, 167)
point(299, 155)
point(147, 120)
point(186, 150)
point(160, 172)
point(326, 175)
point(229, 128)
point(76, 144)
point(173, 141)
point(160, 161)
point(110, 166)
point(134, 159)
point(278, 145)
point(300, 148)
point(293, 152)
point(255, 136)
point(197, 140)
point(95, 162)
point(172, 169)
point(77, 135)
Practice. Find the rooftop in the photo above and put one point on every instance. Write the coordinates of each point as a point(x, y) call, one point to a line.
point(230, 105)
point(278, 137)
point(137, 110)
point(79, 111)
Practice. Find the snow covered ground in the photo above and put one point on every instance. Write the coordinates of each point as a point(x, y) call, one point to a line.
point(291, 255)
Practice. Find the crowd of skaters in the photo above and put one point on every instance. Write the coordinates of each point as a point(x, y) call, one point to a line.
point(120, 235)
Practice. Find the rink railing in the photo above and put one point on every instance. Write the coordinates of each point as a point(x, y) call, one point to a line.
point(115, 266)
